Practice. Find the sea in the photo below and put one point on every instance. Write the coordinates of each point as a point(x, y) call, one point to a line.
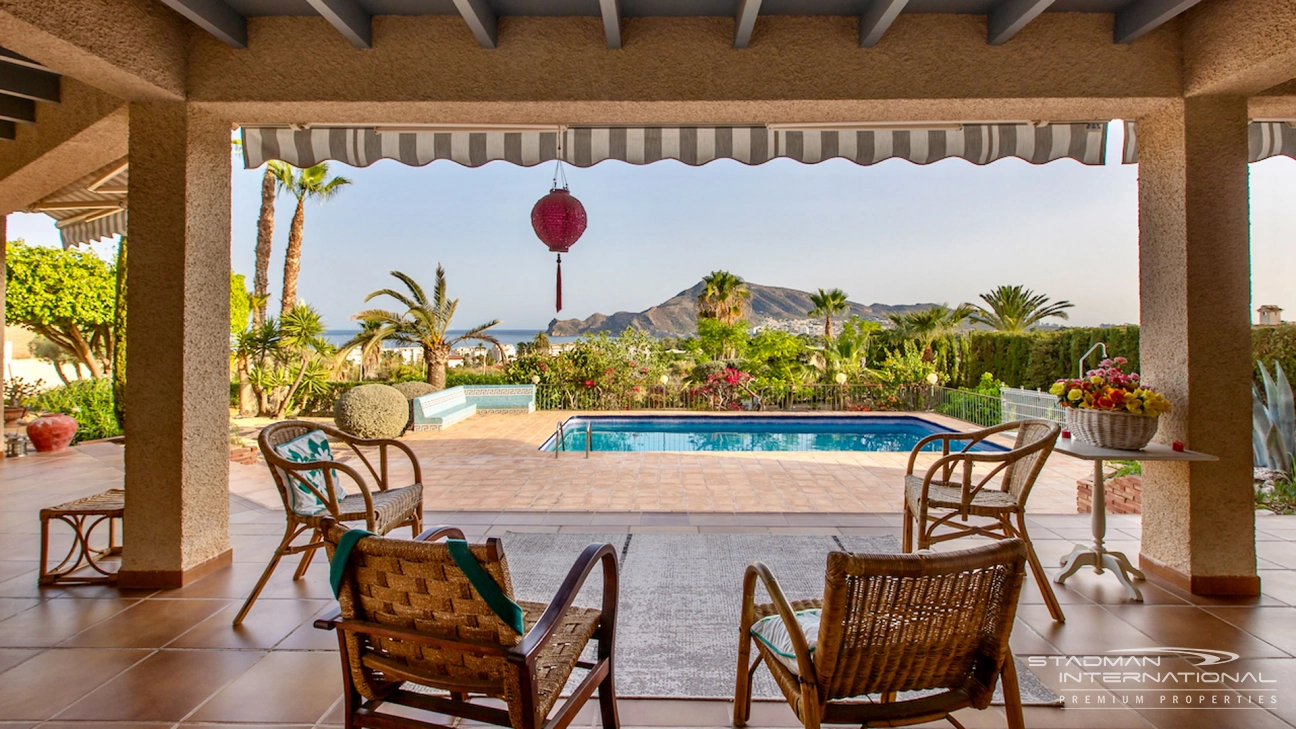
point(506, 336)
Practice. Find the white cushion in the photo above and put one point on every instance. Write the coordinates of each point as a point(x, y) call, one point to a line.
point(773, 633)
point(309, 448)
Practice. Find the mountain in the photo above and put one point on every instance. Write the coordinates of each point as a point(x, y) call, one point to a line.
point(676, 317)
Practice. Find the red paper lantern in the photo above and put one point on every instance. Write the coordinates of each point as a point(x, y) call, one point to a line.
point(558, 220)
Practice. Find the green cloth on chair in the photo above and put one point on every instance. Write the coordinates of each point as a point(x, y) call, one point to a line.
point(500, 604)
point(341, 554)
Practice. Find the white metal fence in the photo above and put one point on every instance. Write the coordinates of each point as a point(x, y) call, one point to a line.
point(1021, 404)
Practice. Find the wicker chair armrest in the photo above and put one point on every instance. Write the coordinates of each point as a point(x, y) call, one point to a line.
point(382, 444)
point(526, 651)
point(440, 532)
point(800, 646)
point(327, 467)
point(409, 453)
point(330, 620)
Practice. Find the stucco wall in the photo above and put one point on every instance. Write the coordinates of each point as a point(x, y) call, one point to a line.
point(133, 49)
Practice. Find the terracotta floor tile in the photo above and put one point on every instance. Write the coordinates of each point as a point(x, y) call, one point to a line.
point(284, 687)
point(44, 685)
point(10, 657)
point(162, 687)
point(147, 624)
point(53, 621)
point(270, 621)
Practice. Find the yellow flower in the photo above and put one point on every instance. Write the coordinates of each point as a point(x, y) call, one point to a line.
point(1057, 389)
point(1096, 380)
point(1075, 394)
point(1134, 406)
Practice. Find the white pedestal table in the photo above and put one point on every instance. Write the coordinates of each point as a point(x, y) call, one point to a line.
point(1096, 555)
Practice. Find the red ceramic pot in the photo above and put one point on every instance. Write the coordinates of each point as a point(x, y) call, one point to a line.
point(52, 432)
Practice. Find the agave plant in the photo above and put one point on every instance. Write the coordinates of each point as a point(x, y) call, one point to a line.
point(1273, 421)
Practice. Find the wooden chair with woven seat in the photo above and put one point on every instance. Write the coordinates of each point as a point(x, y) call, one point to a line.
point(316, 482)
point(935, 623)
point(951, 490)
point(407, 612)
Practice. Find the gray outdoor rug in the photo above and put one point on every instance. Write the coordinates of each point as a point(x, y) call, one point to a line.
point(677, 626)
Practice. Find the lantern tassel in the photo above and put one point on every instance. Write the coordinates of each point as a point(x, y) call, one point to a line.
point(558, 302)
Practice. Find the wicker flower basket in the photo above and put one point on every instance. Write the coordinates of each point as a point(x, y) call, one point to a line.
point(1111, 428)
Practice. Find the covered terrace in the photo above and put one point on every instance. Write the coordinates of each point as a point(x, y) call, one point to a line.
point(161, 83)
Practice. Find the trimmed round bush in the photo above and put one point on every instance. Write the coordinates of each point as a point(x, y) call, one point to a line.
point(414, 389)
point(372, 411)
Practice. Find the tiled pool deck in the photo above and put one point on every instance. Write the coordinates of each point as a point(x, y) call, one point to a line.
point(100, 657)
point(492, 463)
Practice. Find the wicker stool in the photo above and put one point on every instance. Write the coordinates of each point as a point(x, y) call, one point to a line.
point(83, 515)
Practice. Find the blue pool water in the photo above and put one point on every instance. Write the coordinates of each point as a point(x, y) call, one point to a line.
point(751, 433)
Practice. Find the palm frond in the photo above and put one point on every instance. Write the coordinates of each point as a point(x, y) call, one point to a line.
point(413, 286)
point(402, 298)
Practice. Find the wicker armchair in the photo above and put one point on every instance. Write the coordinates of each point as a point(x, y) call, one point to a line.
point(951, 489)
point(890, 623)
point(382, 510)
point(407, 613)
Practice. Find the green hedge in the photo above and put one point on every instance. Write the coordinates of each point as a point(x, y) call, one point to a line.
point(1030, 360)
point(1275, 343)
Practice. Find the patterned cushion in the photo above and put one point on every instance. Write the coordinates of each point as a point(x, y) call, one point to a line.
point(774, 635)
point(309, 448)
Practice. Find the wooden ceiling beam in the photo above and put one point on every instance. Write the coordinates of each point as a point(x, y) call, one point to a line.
point(481, 21)
point(215, 17)
point(611, 10)
point(1010, 16)
point(877, 18)
point(1140, 18)
point(351, 20)
point(745, 22)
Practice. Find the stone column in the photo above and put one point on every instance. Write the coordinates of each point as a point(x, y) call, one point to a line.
point(177, 391)
point(1195, 301)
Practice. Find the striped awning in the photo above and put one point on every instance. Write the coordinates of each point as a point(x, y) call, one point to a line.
point(694, 145)
point(1265, 139)
point(90, 209)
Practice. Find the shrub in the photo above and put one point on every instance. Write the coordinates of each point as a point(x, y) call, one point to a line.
point(457, 376)
point(1271, 344)
point(89, 401)
point(413, 389)
point(372, 411)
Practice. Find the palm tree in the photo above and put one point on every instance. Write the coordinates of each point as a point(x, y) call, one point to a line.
point(827, 303)
point(424, 323)
point(254, 348)
point(369, 341)
point(1016, 309)
point(312, 183)
point(724, 297)
point(929, 325)
point(301, 335)
point(270, 189)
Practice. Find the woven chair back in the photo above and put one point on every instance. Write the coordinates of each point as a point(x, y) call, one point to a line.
point(911, 622)
point(273, 436)
point(417, 586)
point(1035, 441)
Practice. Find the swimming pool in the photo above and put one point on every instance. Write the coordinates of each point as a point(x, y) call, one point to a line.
point(895, 433)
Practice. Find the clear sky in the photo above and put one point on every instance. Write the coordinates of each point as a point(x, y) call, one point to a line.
point(891, 233)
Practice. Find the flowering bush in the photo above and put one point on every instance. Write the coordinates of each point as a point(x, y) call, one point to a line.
point(1110, 388)
point(723, 390)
